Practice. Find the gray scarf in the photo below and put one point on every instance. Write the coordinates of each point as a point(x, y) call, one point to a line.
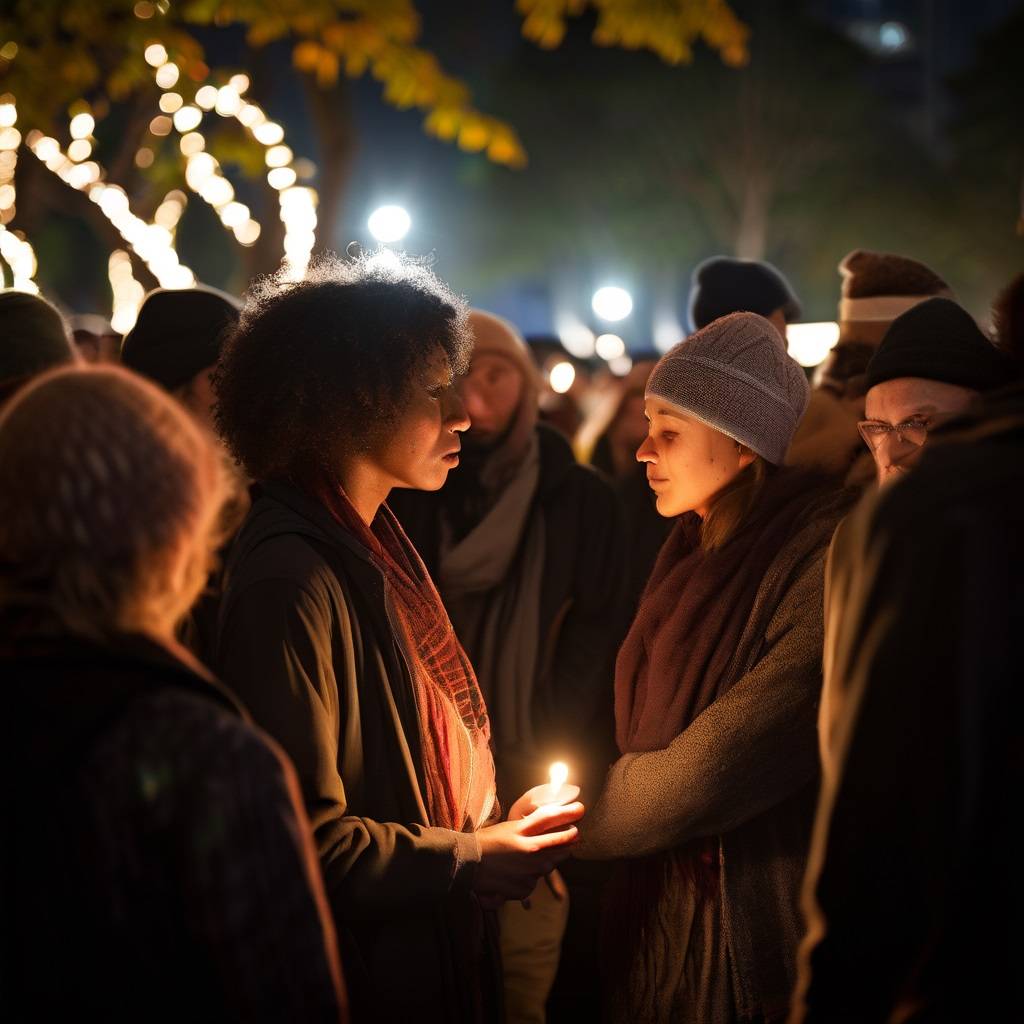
point(491, 582)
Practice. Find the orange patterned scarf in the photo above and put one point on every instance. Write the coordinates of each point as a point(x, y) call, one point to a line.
point(457, 761)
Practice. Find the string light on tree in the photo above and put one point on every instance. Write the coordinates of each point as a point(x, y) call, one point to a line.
point(167, 75)
point(152, 242)
point(202, 172)
point(155, 54)
point(127, 292)
point(15, 249)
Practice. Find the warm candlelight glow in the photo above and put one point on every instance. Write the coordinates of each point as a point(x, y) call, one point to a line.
point(558, 773)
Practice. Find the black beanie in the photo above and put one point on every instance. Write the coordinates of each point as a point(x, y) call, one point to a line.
point(939, 340)
point(722, 285)
point(178, 333)
point(32, 336)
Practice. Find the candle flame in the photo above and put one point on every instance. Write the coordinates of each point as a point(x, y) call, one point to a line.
point(558, 773)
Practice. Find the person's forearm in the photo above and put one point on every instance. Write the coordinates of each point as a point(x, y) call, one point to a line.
point(748, 751)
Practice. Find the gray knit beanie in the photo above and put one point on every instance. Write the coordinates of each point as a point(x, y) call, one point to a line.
point(736, 376)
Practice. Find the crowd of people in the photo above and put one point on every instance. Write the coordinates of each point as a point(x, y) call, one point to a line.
point(301, 595)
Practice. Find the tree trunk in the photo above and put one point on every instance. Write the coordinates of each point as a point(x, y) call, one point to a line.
point(331, 111)
point(752, 230)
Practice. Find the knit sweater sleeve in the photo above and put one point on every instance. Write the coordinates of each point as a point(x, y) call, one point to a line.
point(745, 753)
point(289, 652)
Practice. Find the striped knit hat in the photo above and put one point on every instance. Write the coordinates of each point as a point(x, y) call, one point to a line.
point(736, 376)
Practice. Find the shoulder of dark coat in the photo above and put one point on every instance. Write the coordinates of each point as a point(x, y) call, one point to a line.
point(562, 477)
point(275, 544)
point(222, 753)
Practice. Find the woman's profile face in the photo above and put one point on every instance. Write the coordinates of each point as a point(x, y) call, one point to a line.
point(422, 445)
point(687, 461)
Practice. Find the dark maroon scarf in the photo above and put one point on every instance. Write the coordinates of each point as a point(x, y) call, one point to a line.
point(682, 652)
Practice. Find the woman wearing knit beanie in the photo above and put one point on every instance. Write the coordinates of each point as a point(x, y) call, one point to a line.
point(710, 804)
point(157, 860)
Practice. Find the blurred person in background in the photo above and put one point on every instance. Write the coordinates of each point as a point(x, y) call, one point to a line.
point(876, 288)
point(95, 338)
point(33, 338)
point(723, 285)
point(159, 864)
point(176, 342)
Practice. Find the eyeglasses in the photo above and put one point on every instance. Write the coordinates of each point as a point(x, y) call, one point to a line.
point(913, 432)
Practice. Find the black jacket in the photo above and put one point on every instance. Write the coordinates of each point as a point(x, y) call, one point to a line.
point(156, 861)
point(914, 887)
point(308, 641)
point(583, 610)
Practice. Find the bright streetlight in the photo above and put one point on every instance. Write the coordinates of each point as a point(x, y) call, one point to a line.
point(612, 303)
point(389, 223)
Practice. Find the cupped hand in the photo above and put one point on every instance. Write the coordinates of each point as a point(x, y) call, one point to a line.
point(515, 853)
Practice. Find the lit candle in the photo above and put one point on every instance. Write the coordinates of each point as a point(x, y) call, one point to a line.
point(558, 775)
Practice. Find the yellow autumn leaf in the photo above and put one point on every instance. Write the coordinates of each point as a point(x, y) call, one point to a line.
point(306, 55)
point(473, 134)
point(327, 69)
point(337, 35)
point(504, 148)
point(356, 63)
point(443, 123)
point(546, 32)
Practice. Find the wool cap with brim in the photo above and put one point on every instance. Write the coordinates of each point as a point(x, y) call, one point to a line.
point(179, 332)
point(723, 285)
point(878, 286)
point(735, 375)
point(32, 336)
point(939, 340)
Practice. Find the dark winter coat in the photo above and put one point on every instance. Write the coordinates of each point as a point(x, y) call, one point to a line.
point(583, 608)
point(913, 892)
point(309, 641)
point(157, 863)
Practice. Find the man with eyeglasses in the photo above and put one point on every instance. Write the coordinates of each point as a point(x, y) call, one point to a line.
point(931, 365)
point(914, 880)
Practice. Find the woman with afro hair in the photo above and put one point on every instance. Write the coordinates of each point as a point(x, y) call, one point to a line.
point(332, 391)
